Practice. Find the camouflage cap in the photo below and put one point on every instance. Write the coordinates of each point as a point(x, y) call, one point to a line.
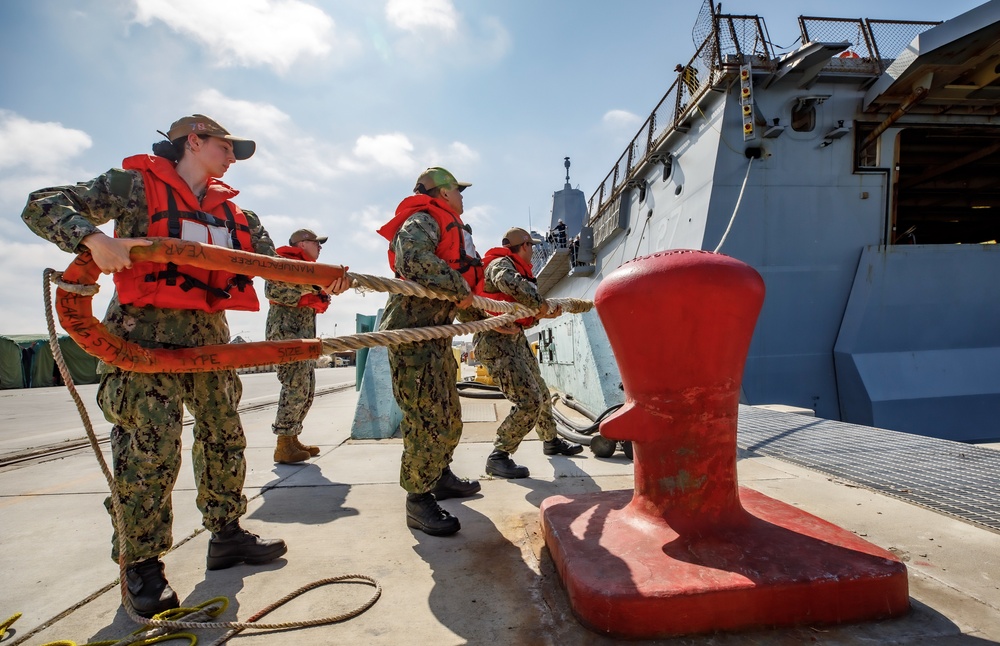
point(436, 176)
point(306, 234)
point(199, 124)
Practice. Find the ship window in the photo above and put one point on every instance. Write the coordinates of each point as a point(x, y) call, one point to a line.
point(947, 189)
point(804, 116)
point(867, 156)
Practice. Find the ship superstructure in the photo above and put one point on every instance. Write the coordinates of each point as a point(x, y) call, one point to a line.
point(859, 175)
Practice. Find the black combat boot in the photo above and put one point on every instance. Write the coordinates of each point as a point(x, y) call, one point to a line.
point(560, 446)
point(451, 486)
point(423, 513)
point(147, 589)
point(500, 464)
point(235, 545)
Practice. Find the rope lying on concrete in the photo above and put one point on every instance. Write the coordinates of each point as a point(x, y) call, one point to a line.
point(76, 287)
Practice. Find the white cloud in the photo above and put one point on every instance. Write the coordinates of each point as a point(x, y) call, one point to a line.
point(269, 33)
point(362, 228)
point(392, 151)
point(461, 154)
point(437, 34)
point(480, 218)
point(37, 145)
point(237, 115)
point(620, 118)
point(288, 158)
point(33, 155)
point(416, 15)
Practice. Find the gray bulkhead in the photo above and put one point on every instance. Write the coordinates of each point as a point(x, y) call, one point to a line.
point(858, 323)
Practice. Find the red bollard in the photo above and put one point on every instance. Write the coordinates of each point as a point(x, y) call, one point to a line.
point(690, 551)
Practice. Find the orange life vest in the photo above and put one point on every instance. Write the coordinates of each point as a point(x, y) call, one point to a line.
point(174, 212)
point(318, 302)
point(455, 247)
point(522, 267)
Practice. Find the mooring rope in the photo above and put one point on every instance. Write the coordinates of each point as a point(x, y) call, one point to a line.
point(198, 617)
point(75, 294)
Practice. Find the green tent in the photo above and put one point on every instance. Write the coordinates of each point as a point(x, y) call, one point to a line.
point(43, 372)
point(11, 368)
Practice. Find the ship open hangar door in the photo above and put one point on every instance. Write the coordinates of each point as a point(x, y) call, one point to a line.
point(917, 347)
point(942, 91)
point(947, 186)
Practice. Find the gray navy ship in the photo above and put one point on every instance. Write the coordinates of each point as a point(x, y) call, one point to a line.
point(859, 174)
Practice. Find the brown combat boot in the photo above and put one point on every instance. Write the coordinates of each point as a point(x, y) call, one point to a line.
point(287, 452)
point(313, 450)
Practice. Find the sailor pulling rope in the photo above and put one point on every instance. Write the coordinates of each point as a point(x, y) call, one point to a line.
point(75, 290)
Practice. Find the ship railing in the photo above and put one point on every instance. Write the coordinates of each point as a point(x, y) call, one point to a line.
point(871, 40)
point(733, 39)
point(542, 251)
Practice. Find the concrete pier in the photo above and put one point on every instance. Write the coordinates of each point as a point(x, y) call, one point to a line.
point(492, 583)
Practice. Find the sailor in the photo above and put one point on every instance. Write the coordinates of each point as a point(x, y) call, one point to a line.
point(429, 244)
point(292, 315)
point(507, 356)
point(689, 76)
point(560, 234)
point(175, 192)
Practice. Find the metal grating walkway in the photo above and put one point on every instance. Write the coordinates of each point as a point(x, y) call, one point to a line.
point(961, 480)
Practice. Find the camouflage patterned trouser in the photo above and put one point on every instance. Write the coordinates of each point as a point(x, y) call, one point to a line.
point(423, 381)
point(515, 369)
point(298, 387)
point(146, 410)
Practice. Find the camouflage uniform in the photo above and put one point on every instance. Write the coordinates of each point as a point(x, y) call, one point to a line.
point(285, 321)
point(511, 363)
point(146, 409)
point(423, 374)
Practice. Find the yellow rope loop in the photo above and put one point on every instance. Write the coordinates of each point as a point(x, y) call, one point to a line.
point(83, 290)
point(7, 622)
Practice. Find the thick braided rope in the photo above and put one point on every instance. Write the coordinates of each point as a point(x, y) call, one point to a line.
point(170, 625)
point(413, 334)
point(409, 288)
point(511, 312)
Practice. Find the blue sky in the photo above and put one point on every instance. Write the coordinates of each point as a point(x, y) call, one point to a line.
point(348, 101)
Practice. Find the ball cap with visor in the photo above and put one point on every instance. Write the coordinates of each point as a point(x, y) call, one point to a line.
point(517, 236)
point(435, 177)
point(305, 234)
point(199, 124)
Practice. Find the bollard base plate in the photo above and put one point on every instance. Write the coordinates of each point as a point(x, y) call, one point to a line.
point(629, 575)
